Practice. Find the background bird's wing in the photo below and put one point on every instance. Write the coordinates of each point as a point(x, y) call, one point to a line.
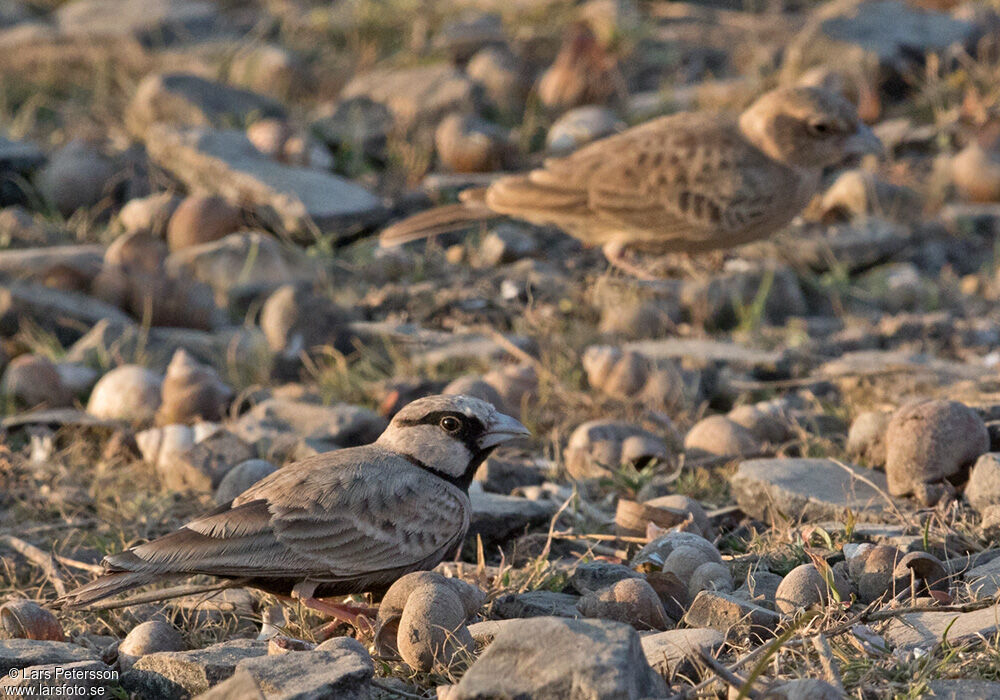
point(315, 519)
point(683, 177)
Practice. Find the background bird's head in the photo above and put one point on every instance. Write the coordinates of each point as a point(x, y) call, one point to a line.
point(807, 127)
point(450, 435)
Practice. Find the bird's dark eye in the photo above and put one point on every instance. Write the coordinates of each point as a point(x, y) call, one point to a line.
point(820, 128)
point(450, 424)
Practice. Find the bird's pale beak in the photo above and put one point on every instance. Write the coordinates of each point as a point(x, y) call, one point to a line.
point(500, 429)
point(863, 141)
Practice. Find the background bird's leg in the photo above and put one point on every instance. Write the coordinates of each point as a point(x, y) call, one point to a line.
point(616, 254)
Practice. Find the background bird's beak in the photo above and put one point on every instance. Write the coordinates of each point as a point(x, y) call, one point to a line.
point(863, 141)
point(502, 428)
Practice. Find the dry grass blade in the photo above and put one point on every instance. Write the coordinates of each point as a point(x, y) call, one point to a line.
point(43, 560)
point(727, 675)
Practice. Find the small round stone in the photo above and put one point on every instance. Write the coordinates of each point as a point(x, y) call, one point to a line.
point(241, 477)
point(722, 437)
point(631, 600)
point(148, 638)
point(928, 441)
point(34, 381)
point(805, 587)
point(202, 219)
point(866, 437)
point(129, 393)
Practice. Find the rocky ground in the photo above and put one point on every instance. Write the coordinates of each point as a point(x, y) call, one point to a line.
point(771, 474)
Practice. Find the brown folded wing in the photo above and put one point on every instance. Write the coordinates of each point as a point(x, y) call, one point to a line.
point(683, 183)
point(325, 519)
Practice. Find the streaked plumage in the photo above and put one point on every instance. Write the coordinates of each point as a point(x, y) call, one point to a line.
point(343, 522)
point(688, 182)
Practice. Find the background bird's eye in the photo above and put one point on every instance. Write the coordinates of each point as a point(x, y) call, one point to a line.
point(450, 424)
point(820, 128)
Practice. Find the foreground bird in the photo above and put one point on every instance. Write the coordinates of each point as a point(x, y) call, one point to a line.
point(344, 522)
point(685, 183)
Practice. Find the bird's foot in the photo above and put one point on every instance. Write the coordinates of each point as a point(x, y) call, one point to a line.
point(618, 257)
point(358, 616)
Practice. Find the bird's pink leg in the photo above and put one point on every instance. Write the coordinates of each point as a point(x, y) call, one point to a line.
point(355, 615)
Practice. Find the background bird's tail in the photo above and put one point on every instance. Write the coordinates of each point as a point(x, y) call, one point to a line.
point(106, 586)
point(439, 220)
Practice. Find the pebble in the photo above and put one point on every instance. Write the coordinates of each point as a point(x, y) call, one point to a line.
point(128, 393)
point(805, 587)
point(598, 446)
point(26, 619)
point(469, 144)
point(148, 638)
point(191, 391)
point(202, 219)
point(148, 214)
point(928, 441)
point(241, 477)
point(77, 176)
point(720, 437)
point(34, 382)
point(866, 437)
point(983, 489)
point(630, 600)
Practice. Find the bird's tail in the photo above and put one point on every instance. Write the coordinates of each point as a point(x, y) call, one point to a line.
point(105, 586)
point(439, 220)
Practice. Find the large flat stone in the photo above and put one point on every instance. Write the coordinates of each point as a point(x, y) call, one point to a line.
point(150, 22)
point(924, 629)
point(673, 651)
point(550, 658)
point(302, 202)
point(182, 99)
point(181, 674)
point(808, 489)
point(22, 653)
point(963, 689)
point(497, 518)
point(339, 670)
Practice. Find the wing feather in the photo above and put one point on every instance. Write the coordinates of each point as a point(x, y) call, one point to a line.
point(325, 519)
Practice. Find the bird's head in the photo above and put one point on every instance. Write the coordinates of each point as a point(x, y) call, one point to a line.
point(807, 127)
point(450, 435)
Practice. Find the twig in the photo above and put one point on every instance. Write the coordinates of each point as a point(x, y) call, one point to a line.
point(42, 559)
point(599, 537)
point(396, 691)
point(888, 499)
point(167, 594)
point(826, 660)
point(725, 674)
point(76, 564)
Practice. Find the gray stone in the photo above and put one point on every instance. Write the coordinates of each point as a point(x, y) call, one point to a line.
point(499, 475)
point(36, 263)
point(496, 518)
point(549, 658)
point(859, 244)
point(866, 438)
point(151, 22)
point(595, 575)
point(928, 441)
point(241, 477)
point(182, 99)
point(358, 125)
point(55, 310)
point(341, 424)
point(580, 126)
point(340, 670)
point(89, 679)
point(963, 689)
point(598, 447)
point(925, 629)
point(296, 200)
point(22, 653)
point(732, 616)
point(891, 34)
point(418, 96)
point(203, 466)
point(245, 259)
point(77, 176)
point(18, 157)
point(677, 651)
point(181, 674)
point(983, 489)
point(984, 579)
point(810, 489)
point(536, 604)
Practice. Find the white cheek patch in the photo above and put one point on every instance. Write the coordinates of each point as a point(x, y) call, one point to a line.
point(435, 448)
